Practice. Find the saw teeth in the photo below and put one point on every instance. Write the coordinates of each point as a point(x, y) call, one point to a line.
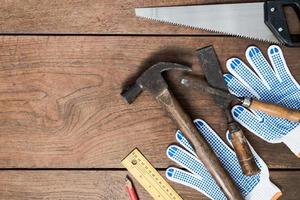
point(210, 30)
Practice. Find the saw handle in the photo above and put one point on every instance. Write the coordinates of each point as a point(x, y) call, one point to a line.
point(275, 19)
point(242, 150)
point(275, 110)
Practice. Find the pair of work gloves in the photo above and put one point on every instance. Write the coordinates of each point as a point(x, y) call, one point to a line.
point(266, 82)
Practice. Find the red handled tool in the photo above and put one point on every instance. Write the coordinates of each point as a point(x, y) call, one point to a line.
point(130, 189)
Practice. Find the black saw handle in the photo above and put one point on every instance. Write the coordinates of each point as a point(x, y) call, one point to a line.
point(275, 19)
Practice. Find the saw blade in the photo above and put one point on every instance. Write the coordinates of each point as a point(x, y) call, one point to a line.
point(240, 19)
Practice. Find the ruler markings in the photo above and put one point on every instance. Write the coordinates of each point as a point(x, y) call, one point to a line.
point(149, 177)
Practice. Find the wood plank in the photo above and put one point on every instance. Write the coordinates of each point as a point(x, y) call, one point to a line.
point(92, 185)
point(61, 108)
point(88, 17)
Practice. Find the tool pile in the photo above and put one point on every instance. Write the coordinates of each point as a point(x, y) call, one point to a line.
point(265, 100)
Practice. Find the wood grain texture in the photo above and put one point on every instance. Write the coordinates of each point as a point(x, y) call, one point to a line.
point(61, 108)
point(89, 17)
point(60, 97)
point(81, 16)
point(103, 185)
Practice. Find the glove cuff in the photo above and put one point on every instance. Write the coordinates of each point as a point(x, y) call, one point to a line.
point(292, 140)
point(264, 190)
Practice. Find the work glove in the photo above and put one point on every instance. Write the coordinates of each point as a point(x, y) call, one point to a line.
point(269, 83)
point(197, 176)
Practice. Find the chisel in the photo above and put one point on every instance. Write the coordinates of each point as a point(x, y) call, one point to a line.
point(275, 110)
point(212, 71)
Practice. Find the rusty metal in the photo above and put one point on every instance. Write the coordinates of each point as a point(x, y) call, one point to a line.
point(212, 71)
point(197, 83)
point(152, 81)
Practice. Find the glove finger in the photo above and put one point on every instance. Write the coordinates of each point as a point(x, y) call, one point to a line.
point(246, 77)
point(187, 160)
point(261, 67)
point(207, 186)
point(237, 88)
point(184, 142)
point(280, 67)
point(225, 154)
point(228, 159)
point(284, 125)
point(217, 144)
point(291, 101)
point(256, 125)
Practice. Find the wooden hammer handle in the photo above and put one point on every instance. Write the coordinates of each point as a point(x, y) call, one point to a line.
point(242, 150)
point(202, 148)
point(275, 110)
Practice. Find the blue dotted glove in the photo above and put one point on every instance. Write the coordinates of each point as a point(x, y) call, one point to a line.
point(269, 83)
point(197, 176)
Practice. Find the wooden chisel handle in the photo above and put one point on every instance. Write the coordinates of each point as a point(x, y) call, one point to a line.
point(201, 147)
point(242, 150)
point(274, 110)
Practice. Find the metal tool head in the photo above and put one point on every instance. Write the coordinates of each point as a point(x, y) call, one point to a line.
point(196, 82)
point(212, 71)
point(152, 80)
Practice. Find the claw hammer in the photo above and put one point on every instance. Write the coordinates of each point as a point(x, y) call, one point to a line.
point(153, 81)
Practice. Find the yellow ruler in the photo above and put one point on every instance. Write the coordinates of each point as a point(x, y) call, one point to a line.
point(149, 177)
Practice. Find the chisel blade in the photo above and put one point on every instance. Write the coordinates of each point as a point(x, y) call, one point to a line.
point(214, 76)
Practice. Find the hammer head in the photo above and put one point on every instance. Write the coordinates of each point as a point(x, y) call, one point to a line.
point(151, 80)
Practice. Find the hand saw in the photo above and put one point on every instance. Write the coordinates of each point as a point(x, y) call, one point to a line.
point(264, 21)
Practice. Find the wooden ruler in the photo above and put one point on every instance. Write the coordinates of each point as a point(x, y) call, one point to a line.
point(149, 177)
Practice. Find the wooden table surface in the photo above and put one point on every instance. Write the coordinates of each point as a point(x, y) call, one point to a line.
point(64, 127)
